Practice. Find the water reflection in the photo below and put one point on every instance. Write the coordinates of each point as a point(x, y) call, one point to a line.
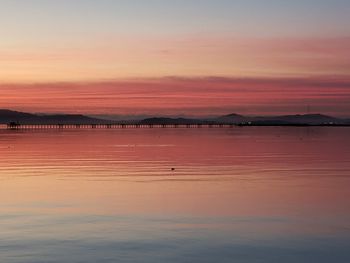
point(236, 195)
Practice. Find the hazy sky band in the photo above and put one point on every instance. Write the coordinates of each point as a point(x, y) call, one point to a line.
point(184, 96)
point(44, 41)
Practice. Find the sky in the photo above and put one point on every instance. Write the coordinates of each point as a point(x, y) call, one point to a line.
point(191, 57)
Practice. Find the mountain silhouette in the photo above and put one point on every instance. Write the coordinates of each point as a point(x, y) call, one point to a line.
point(174, 121)
point(7, 116)
point(298, 119)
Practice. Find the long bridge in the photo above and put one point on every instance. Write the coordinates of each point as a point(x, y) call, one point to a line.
point(17, 126)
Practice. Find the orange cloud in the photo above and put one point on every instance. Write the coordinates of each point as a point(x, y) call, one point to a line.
point(144, 57)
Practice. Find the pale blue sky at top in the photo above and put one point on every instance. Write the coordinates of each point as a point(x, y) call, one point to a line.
point(251, 18)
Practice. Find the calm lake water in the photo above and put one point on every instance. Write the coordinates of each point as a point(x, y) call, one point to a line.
point(236, 195)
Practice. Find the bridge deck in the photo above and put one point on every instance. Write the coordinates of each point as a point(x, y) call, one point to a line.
point(109, 126)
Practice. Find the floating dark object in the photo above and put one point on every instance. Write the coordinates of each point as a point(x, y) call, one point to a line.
point(173, 169)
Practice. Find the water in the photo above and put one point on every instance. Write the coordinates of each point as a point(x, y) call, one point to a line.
point(234, 195)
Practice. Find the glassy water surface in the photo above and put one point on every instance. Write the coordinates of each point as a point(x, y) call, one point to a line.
point(175, 195)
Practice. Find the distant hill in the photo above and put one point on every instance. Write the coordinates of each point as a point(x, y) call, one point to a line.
point(306, 119)
point(7, 116)
point(232, 118)
point(174, 121)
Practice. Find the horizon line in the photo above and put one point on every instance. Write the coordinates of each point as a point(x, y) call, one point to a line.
point(169, 115)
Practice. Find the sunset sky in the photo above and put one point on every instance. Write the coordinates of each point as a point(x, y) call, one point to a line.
point(166, 57)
